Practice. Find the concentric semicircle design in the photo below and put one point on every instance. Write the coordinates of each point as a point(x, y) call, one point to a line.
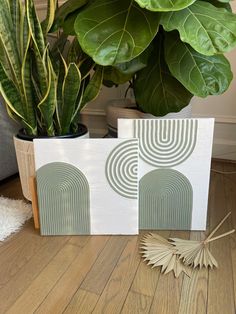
point(122, 169)
point(64, 199)
point(166, 143)
point(165, 200)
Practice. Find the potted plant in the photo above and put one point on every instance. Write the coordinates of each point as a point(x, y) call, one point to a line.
point(44, 86)
point(171, 50)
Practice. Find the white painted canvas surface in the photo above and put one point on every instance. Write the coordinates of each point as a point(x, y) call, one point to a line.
point(110, 212)
point(196, 167)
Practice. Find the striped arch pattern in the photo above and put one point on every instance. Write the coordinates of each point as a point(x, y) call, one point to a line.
point(122, 169)
point(165, 200)
point(166, 143)
point(64, 200)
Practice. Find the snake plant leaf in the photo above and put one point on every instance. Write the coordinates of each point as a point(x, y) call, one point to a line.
point(93, 88)
point(209, 30)
point(70, 91)
point(115, 32)
point(47, 105)
point(28, 88)
point(8, 42)
point(164, 5)
point(64, 10)
point(35, 27)
point(201, 75)
point(47, 23)
point(17, 19)
point(11, 94)
point(156, 90)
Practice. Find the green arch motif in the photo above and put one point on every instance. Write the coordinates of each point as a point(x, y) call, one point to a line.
point(122, 169)
point(165, 200)
point(166, 143)
point(64, 200)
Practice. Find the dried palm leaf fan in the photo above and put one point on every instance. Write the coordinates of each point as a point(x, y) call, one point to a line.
point(196, 253)
point(160, 252)
point(178, 254)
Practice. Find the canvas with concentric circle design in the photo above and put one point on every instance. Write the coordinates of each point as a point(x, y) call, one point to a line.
point(87, 186)
point(174, 168)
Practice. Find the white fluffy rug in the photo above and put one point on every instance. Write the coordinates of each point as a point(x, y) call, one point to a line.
point(13, 214)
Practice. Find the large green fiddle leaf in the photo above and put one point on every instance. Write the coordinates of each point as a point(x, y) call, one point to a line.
point(209, 30)
point(164, 5)
point(123, 72)
point(70, 92)
point(156, 90)
point(201, 75)
point(113, 32)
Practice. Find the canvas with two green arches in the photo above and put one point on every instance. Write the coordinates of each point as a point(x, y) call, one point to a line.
point(87, 186)
point(174, 170)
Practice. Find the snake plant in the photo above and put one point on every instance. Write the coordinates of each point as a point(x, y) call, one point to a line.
point(171, 50)
point(43, 88)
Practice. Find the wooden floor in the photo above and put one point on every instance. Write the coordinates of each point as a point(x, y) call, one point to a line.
point(105, 274)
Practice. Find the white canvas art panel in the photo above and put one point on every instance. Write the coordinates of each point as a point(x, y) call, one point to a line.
point(87, 186)
point(174, 170)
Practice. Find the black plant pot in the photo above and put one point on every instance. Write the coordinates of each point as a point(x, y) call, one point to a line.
point(82, 130)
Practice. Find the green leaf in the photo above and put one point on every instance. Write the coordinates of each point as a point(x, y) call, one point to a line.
point(47, 23)
point(7, 37)
point(93, 88)
point(28, 88)
point(156, 90)
point(69, 22)
point(47, 105)
point(112, 74)
point(219, 4)
point(16, 13)
point(164, 5)
point(35, 27)
point(11, 94)
point(201, 75)
point(115, 32)
point(70, 91)
point(209, 30)
point(64, 10)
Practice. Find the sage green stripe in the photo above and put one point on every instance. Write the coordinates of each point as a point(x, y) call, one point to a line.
point(166, 143)
point(165, 201)
point(122, 169)
point(64, 200)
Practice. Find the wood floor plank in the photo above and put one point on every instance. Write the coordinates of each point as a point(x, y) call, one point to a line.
point(230, 188)
point(220, 287)
point(82, 302)
point(57, 300)
point(143, 288)
point(136, 303)
point(98, 276)
point(193, 297)
point(168, 291)
point(18, 253)
point(22, 279)
point(32, 297)
point(115, 292)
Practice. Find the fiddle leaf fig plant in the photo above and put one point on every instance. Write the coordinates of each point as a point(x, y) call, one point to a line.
point(186, 40)
point(44, 87)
